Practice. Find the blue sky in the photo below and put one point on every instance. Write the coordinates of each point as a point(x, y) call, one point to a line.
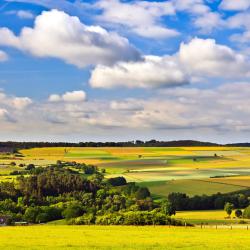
point(121, 70)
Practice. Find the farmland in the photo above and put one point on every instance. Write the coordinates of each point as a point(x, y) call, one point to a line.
point(162, 169)
point(117, 237)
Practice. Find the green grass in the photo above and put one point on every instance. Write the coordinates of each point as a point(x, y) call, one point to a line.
point(190, 187)
point(121, 237)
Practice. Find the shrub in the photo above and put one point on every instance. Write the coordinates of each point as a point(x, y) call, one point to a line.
point(238, 213)
point(246, 213)
point(72, 211)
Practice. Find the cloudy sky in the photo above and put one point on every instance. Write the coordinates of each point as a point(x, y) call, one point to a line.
point(105, 70)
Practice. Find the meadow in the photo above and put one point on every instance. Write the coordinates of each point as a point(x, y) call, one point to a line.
point(121, 237)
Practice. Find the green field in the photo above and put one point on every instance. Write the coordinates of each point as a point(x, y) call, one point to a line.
point(162, 169)
point(121, 237)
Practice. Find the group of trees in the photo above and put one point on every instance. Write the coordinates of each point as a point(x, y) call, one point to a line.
point(182, 201)
point(80, 194)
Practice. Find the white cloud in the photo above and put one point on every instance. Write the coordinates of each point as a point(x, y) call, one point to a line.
point(21, 102)
point(208, 22)
point(56, 34)
point(203, 57)
point(141, 17)
point(196, 7)
point(23, 14)
point(74, 96)
point(127, 105)
point(198, 58)
point(3, 56)
point(240, 20)
point(236, 5)
point(153, 72)
point(13, 102)
point(5, 116)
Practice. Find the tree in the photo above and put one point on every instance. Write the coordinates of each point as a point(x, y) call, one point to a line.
point(238, 213)
point(142, 193)
point(72, 211)
point(229, 208)
point(117, 181)
point(167, 208)
point(31, 213)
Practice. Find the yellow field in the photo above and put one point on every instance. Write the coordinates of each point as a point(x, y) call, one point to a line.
point(234, 180)
point(121, 237)
point(209, 215)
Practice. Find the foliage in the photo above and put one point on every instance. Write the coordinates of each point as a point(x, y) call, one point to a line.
point(238, 213)
point(246, 213)
point(229, 208)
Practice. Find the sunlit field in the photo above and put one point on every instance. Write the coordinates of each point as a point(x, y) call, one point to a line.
point(211, 217)
point(191, 170)
point(121, 237)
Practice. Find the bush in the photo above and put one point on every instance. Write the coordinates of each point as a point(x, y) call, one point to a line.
point(142, 193)
point(31, 214)
point(72, 211)
point(238, 213)
point(246, 213)
point(117, 181)
point(30, 167)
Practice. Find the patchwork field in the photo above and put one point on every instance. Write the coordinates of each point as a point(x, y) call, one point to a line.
point(192, 170)
point(121, 237)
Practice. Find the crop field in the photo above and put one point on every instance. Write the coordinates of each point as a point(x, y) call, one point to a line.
point(191, 170)
point(121, 237)
point(189, 187)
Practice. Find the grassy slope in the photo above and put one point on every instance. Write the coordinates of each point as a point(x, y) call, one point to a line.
point(121, 237)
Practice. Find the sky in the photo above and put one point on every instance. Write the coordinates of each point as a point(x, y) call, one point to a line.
point(114, 70)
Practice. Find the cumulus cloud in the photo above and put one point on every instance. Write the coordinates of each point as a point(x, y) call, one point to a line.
point(74, 96)
point(14, 102)
point(56, 34)
point(206, 58)
point(3, 56)
point(213, 60)
point(21, 102)
point(238, 5)
point(153, 72)
point(141, 17)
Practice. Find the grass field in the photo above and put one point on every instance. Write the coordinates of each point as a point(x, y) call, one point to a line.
point(121, 237)
point(190, 187)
